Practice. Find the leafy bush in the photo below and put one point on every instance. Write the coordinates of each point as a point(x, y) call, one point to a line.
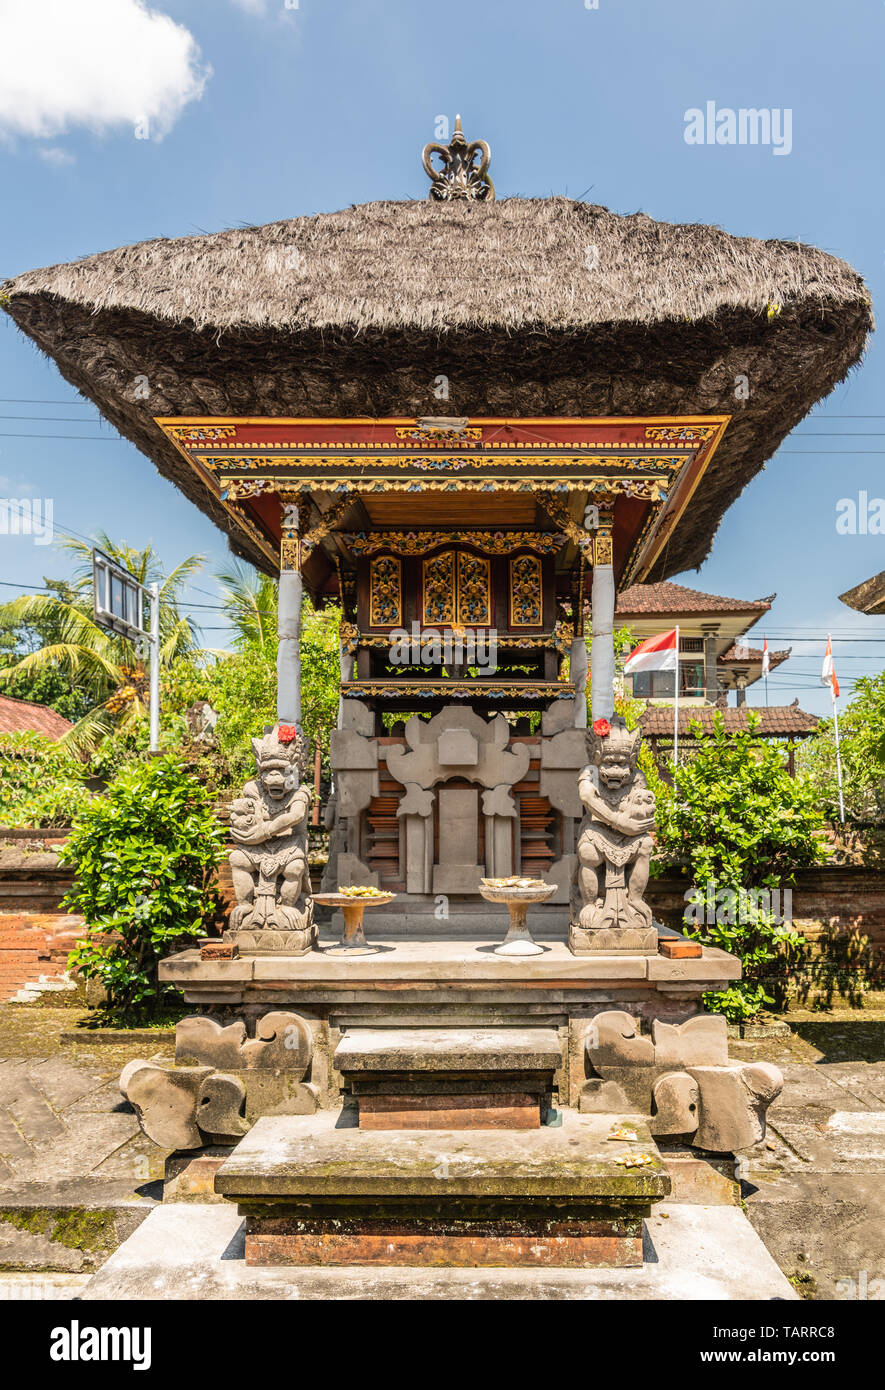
point(740, 824)
point(41, 783)
point(145, 856)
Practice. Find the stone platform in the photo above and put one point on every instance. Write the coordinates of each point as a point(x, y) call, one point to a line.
point(452, 984)
point(197, 1253)
point(314, 1189)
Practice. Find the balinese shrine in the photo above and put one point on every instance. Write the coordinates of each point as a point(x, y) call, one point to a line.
point(472, 423)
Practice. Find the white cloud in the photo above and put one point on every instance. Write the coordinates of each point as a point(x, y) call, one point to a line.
point(97, 63)
point(54, 154)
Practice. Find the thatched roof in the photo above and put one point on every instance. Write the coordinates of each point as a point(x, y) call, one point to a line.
point(868, 597)
point(529, 306)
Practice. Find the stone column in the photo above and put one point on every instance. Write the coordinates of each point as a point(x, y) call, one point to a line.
point(578, 677)
point(289, 621)
point(602, 606)
point(346, 661)
point(741, 682)
point(711, 678)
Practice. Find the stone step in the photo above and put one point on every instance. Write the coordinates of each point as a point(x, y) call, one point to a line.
point(191, 1252)
point(324, 1156)
point(465, 1050)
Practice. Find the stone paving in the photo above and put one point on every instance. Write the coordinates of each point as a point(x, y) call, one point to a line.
point(77, 1176)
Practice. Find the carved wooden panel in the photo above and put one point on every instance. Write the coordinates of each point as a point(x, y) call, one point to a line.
point(439, 589)
point(474, 590)
point(526, 593)
point(457, 588)
point(385, 592)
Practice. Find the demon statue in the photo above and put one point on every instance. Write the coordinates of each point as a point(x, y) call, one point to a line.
point(274, 911)
point(614, 846)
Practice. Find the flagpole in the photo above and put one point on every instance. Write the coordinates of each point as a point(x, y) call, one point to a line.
point(676, 707)
point(838, 758)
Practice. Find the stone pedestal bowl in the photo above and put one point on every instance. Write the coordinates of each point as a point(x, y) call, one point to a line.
point(353, 938)
point(518, 900)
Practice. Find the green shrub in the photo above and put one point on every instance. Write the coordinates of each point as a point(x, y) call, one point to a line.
point(739, 824)
point(145, 856)
point(41, 783)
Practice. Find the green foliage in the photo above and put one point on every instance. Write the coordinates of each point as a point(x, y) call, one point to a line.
point(862, 744)
point(41, 782)
point(739, 823)
point(103, 667)
point(145, 856)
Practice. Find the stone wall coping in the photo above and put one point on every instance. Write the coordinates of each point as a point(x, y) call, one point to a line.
point(464, 961)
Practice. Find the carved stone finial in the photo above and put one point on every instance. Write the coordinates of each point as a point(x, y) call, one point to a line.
point(465, 169)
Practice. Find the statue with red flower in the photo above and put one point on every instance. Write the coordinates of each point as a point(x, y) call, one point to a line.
point(609, 912)
point(269, 823)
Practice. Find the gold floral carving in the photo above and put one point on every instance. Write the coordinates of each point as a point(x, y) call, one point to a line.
point(419, 542)
point(525, 591)
point(438, 589)
point(385, 592)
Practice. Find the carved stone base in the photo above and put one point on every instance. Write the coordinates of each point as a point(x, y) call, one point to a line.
point(265, 941)
point(614, 941)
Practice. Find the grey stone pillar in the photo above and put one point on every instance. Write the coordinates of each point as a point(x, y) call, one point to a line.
point(742, 690)
point(289, 621)
point(602, 649)
point(578, 677)
point(711, 678)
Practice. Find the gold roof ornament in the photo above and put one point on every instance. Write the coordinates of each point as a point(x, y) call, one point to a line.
point(465, 169)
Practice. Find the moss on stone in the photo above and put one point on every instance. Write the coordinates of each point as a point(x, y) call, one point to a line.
point(77, 1228)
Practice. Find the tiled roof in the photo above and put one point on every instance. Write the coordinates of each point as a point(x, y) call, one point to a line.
point(651, 599)
point(776, 720)
point(22, 716)
point(751, 654)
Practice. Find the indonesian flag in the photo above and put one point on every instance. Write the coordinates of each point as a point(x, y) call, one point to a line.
point(765, 661)
point(828, 671)
point(656, 654)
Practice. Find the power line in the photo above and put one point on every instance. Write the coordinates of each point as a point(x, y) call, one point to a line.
point(106, 438)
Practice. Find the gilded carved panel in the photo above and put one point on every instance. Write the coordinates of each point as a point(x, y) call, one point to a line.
point(457, 588)
point(385, 592)
point(438, 593)
point(474, 590)
point(525, 592)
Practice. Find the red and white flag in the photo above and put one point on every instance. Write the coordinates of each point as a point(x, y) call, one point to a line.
point(765, 660)
point(828, 671)
point(656, 654)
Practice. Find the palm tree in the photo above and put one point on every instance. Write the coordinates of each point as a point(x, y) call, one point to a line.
point(250, 600)
point(105, 664)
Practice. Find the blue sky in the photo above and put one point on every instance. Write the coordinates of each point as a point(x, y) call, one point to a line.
point(269, 111)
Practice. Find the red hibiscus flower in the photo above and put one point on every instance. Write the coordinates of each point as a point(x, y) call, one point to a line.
point(286, 733)
point(601, 728)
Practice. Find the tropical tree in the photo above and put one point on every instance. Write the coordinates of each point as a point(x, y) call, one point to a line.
point(242, 687)
point(741, 827)
point(100, 663)
point(862, 746)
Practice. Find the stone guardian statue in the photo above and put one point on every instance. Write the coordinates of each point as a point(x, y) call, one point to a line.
point(269, 822)
point(614, 846)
